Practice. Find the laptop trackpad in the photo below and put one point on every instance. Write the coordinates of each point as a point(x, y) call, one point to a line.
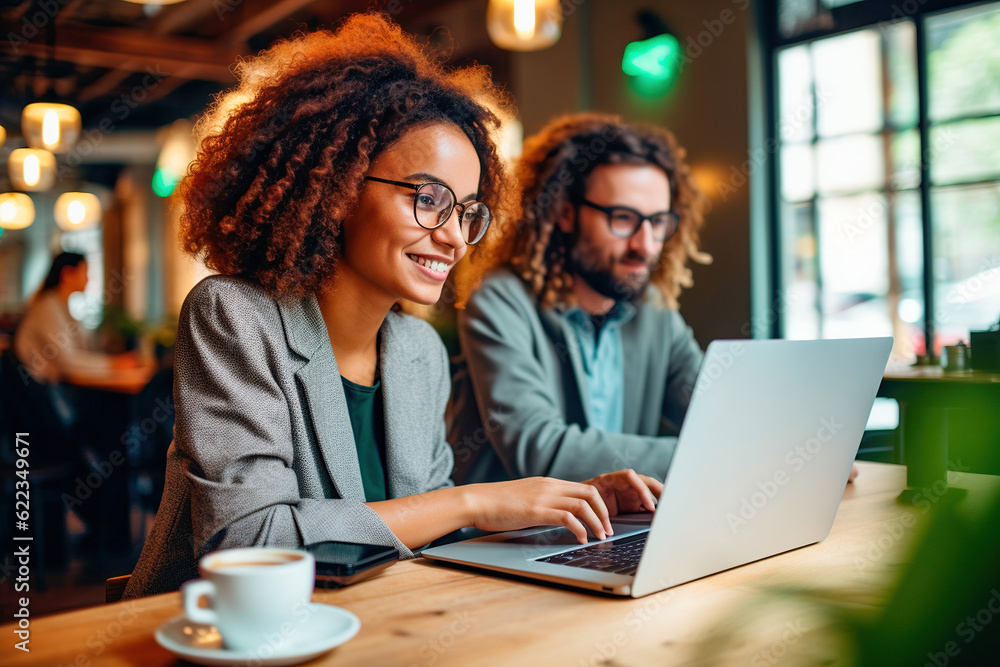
point(550, 537)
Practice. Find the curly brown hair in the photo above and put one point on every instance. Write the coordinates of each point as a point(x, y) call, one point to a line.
point(553, 171)
point(283, 155)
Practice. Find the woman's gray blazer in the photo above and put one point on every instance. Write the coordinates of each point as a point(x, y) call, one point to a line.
point(263, 450)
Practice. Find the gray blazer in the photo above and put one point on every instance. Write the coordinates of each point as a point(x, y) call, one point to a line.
point(263, 450)
point(518, 408)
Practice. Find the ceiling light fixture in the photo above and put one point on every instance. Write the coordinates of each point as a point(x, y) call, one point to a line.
point(31, 169)
point(77, 210)
point(524, 25)
point(17, 211)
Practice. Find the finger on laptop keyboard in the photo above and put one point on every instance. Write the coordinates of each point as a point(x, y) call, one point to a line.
point(566, 519)
point(582, 509)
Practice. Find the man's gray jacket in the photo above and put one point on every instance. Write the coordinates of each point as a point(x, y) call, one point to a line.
point(518, 407)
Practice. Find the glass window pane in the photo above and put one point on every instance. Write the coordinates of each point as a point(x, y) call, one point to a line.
point(901, 43)
point(797, 179)
point(906, 289)
point(853, 244)
point(799, 307)
point(854, 256)
point(848, 71)
point(906, 160)
point(909, 244)
point(963, 62)
point(964, 151)
point(795, 93)
point(850, 164)
point(966, 260)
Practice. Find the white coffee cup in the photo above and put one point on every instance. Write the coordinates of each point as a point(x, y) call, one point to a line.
point(257, 596)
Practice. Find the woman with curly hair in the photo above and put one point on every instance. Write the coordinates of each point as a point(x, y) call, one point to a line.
point(348, 171)
point(579, 310)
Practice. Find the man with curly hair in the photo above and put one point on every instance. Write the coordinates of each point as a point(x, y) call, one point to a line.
point(576, 360)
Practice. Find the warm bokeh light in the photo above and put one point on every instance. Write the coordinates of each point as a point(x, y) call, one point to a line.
point(54, 127)
point(524, 25)
point(50, 128)
point(524, 19)
point(17, 211)
point(77, 210)
point(31, 169)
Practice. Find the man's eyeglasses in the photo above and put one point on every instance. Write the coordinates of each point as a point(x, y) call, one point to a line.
point(434, 202)
point(624, 221)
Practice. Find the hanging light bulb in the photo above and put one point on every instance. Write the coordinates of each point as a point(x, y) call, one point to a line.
point(31, 169)
point(17, 211)
point(77, 210)
point(50, 128)
point(524, 25)
point(54, 127)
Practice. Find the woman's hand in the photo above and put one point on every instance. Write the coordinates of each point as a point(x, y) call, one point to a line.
point(626, 491)
point(539, 501)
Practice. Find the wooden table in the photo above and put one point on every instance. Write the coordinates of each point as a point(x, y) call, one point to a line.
point(419, 613)
point(926, 394)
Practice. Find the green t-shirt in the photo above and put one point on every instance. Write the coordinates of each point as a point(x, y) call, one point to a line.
point(364, 404)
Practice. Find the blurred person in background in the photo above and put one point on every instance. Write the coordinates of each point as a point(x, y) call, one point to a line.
point(49, 342)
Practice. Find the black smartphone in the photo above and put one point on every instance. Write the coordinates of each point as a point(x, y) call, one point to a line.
point(342, 563)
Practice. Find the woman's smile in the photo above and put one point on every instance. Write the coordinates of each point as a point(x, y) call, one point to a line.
point(433, 266)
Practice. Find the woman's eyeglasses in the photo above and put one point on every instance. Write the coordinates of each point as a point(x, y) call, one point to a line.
point(434, 202)
point(624, 221)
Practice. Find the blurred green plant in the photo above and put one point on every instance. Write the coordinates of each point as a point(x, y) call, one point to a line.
point(165, 333)
point(119, 329)
point(943, 611)
point(118, 326)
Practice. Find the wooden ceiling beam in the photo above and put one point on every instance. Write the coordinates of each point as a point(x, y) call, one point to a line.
point(107, 83)
point(180, 17)
point(258, 16)
point(66, 12)
point(121, 48)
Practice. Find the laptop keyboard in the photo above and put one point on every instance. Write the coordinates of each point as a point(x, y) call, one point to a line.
point(619, 556)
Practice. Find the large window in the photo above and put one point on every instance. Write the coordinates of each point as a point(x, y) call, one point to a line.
point(887, 189)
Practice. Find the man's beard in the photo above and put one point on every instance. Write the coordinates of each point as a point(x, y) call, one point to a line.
point(586, 263)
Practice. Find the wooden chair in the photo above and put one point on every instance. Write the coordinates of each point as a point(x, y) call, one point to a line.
point(114, 588)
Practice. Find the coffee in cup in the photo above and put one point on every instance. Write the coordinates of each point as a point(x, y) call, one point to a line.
point(257, 596)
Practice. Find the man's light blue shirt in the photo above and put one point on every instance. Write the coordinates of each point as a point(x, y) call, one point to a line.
point(603, 364)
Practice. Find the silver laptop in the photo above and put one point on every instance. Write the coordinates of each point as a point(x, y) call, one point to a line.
point(760, 467)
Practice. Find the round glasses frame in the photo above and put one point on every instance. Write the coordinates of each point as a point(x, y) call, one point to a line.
point(660, 232)
point(417, 187)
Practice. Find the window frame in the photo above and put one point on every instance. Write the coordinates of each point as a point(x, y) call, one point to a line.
point(770, 319)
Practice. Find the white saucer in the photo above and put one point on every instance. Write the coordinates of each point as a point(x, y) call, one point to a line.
point(326, 627)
